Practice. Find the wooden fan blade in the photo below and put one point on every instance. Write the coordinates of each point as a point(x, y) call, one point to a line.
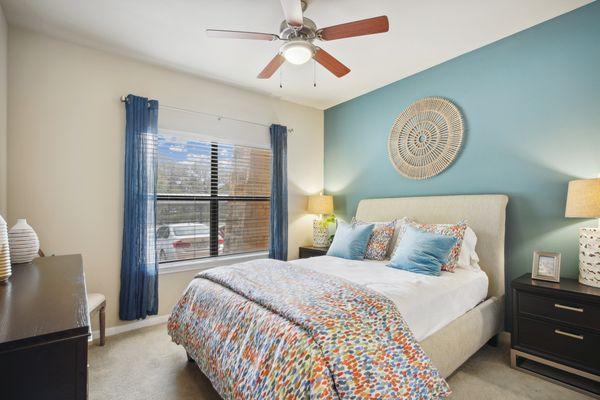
point(357, 28)
point(271, 67)
point(331, 63)
point(224, 34)
point(292, 9)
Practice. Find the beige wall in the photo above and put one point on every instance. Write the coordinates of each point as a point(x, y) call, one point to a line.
point(3, 123)
point(66, 149)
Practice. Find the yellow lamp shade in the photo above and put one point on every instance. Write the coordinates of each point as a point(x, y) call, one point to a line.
point(320, 204)
point(583, 199)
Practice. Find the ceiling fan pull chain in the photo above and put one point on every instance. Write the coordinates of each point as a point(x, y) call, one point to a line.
point(314, 73)
point(281, 78)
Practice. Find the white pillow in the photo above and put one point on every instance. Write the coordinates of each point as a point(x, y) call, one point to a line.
point(468, 258)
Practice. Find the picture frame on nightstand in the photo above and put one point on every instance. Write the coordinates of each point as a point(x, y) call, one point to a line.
point(546, 266)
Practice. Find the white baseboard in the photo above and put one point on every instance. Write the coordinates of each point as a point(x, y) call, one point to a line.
point(131, 326)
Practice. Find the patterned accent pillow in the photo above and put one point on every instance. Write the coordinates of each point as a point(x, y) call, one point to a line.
point(379, 242)
point(453, 230)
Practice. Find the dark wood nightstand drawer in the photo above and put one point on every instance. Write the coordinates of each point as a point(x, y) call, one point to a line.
point(568, 311)
point(578, 347)
point(307, 252)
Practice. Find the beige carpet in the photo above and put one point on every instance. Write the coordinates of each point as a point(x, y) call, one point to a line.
point(145, 365)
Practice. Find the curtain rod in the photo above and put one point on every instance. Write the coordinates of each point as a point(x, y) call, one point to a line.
point(219, 117)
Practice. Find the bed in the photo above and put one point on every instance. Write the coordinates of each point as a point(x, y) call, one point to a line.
point(307, 328)
point(452, 345)
point(427, 303)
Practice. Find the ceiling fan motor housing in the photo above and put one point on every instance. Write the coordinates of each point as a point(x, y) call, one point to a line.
point(307, 31)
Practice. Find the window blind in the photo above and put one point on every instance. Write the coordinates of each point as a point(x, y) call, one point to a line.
point(213, 198)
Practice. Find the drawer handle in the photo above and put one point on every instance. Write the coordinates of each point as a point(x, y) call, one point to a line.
point(568, 308)
point(571, 335)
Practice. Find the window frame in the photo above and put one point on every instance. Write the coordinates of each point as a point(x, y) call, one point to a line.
point(213, 199)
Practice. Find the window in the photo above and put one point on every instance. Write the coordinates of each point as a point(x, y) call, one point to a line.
point(213, 198)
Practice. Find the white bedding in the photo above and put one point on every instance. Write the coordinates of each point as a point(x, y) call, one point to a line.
point(427, 303)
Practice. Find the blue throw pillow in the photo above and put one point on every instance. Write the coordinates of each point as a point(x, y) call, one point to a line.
point(422, 252)
point(350, 241)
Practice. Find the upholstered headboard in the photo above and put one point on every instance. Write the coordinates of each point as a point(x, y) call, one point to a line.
point(485, 214)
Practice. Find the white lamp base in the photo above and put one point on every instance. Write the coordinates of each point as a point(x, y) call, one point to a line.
point(589, 256)
point(320, 234)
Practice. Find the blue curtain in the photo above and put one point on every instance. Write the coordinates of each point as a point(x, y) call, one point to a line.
point(278, 238)
point(139, 268)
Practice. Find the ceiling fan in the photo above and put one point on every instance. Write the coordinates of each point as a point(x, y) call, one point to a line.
point(299, 34)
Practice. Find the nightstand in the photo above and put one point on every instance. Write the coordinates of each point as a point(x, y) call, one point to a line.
point(556, 332)
point(309, 251)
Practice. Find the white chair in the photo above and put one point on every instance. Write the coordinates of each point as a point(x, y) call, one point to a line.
point(97, 303)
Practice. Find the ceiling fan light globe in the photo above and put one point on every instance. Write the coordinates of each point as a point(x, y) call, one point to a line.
point(297, 53)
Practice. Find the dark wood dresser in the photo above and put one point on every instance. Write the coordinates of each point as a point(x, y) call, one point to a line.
point(309, 251)
point(44, 328)
point(556, 332)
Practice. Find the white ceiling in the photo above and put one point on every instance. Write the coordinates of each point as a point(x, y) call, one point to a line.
point(422, 33)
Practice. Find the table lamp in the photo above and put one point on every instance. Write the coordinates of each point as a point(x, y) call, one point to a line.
point(320, 204)
point(583, 201)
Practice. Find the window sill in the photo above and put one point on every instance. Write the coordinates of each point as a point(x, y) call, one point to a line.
point(207, 263)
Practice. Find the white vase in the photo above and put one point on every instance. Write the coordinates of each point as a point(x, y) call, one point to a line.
point(5, 269)
point(23, 241)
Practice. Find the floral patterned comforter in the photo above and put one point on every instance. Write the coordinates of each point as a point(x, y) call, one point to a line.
point(268, 329)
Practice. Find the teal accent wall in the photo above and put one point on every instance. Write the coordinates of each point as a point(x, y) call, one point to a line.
point(531, 103)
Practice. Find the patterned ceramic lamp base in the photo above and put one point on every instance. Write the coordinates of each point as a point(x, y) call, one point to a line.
point(320, 234)
point(589, 256)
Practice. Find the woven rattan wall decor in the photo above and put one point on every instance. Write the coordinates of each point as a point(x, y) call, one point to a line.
point(426, 137)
